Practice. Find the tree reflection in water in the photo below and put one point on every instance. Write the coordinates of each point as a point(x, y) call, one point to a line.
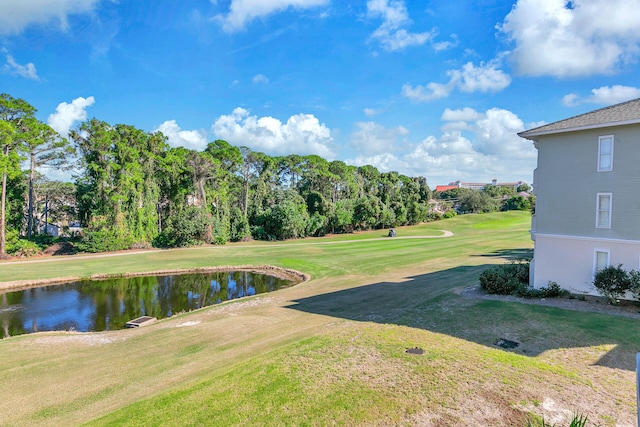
point(103, 305)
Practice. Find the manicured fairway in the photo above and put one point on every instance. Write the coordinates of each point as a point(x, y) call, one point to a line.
point(331, 351)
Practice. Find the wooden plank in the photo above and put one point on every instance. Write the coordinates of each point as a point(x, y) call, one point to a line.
point(140, 321)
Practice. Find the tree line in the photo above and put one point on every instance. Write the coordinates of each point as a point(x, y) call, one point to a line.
point(132, 190)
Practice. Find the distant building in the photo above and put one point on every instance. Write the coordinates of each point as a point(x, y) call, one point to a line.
point(75, 229)
point(478, 185)
point(50, 229)
point(58, 230)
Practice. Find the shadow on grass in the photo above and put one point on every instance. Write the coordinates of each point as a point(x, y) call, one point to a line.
point(510, 254)
point(433, 302)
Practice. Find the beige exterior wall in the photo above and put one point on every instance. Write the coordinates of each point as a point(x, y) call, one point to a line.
point(566, 185)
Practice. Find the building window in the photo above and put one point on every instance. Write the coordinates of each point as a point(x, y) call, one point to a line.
point(601, 260)
point(603, 213)
point(605, 153)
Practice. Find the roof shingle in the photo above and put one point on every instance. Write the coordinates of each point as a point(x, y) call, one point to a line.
point(614, 115)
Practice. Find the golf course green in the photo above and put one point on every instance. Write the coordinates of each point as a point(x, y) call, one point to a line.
point(331, 350)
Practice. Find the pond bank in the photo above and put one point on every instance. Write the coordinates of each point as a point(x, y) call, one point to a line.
point(282, 273)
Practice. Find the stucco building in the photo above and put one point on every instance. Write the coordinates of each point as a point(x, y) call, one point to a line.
point(587, 210)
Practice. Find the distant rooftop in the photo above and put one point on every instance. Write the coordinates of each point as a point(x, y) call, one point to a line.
point(441, 188)
point(615, 115)
point(476, 185)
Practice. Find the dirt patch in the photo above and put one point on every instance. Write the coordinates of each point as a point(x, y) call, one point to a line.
point(588, 303)
point(47, 339)
point(62, 248)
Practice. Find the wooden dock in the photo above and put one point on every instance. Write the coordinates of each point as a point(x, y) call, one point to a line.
point(140, 321)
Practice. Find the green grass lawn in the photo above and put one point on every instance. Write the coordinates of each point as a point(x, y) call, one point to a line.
point(331, 351)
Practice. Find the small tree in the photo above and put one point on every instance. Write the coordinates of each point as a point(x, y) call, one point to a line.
point(13, 112)
point(612, 282)
point(475, 201)
point(43, 146)
point(634, 277)
point(516, 203)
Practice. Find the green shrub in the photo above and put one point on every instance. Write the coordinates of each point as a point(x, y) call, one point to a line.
point(498, 281)
point(220, 232)
point(259, 233)
point(516, 203)
point(239, 226)
point(634, 277)
point(513, 279)
point(219, 240)
point(450, 213)
point(187, 226)
point(23, 248)
point(11, 239)
point(505, 279)
point(553, 290)
point(44, 240)
point(434, 216)
point(612, 282)
point(103, 240)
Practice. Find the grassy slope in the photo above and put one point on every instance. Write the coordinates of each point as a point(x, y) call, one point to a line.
point(332, 350)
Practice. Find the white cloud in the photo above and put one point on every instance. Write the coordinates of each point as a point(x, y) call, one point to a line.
point(459, 120)
point(570, 100)
point(496, 135)
point(242, 12)
point(483, 78)
point(440, 46)
point(12, 67)
point(485, 146)
point(260, 78)
point(176, 137)
point(605, 95)
point(301, 134)
point(465, 114)
point(372, 138)
point(385, 162)
point(15, 15)
point(576, 38)
point(68, 114)
point(392, 33)
point(429, 92)
point(372, 111)
point(613, 94)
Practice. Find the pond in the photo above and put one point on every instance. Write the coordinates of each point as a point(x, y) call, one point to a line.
point(102, 305)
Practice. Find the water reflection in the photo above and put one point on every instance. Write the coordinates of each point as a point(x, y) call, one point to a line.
point(108, 304)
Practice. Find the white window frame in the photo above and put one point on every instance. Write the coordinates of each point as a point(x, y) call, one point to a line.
point(595, 259)
point(601, 154)
point(599, 209)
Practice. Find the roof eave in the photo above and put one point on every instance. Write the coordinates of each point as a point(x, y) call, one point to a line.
point(533, 134)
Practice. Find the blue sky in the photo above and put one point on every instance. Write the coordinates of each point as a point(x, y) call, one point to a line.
point(432, 88)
